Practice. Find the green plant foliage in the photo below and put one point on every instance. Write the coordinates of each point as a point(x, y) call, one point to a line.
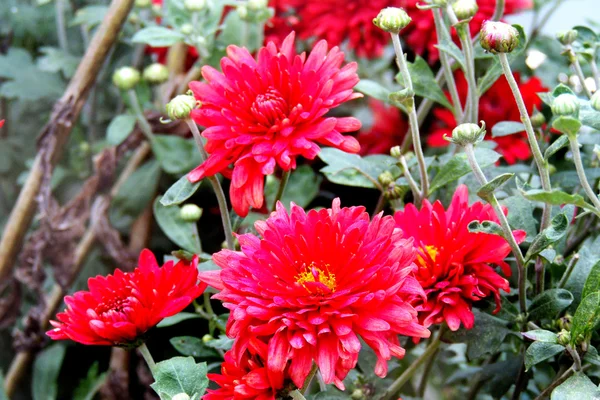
point(45, 372)
point(180, 375)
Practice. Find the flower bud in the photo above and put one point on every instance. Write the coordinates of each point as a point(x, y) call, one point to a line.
point(392, 19)
point(181, 106)
point(126, 78)
point(143, 3)
point(194, 5)
point(567, 37)
point(255, 5)
point(255, 11)
point(358, 394)
point(564, 323)
point(207, 338)
point(563, 337)
point(156, 73)
point(396, 152)
point(393, 192)
point(537, 119)
point(465, 134)
point(595, 100)
point(465, 9)
point(190, 213)
point(566, 105)
point(385, 178)
point(186, 29)
point(498, 37)
point(181, 396)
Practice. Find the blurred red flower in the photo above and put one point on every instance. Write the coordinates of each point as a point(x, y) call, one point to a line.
point(316, 282)
point(119, 308)
point(388, 129)
point(265, 112)
point(455, 265)
point(496, 105)
point(1, 123)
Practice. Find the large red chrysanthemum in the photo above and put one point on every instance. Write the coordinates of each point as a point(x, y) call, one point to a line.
point(388, 129)
point(496, 105)
point(266, 112)
point(119, 308)
point(247, 378)
point(316, 282)
point(455, 265)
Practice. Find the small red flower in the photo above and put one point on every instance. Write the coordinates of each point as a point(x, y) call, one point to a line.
point(119, 308)
point(264, 112)
point(316, 282)
point(496, 105)
point(455, 265)
point(247, 379)
point(388, 129)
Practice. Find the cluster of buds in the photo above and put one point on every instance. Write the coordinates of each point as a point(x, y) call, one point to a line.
point(498, 37)
point(392, 19)
point(388, 183)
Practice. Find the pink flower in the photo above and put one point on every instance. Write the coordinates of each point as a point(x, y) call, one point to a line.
point(264, 113)
point(315, 282)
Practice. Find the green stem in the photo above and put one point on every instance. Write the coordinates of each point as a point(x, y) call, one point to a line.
point(309, 378)
point(426, 371)
point(559, 380)
point(61, 28)
point(510, 238)
point(147, 357)
point(574, 59)
point(537, 27)
point(581, 172)
point(284, 181)
point(412, 115)
point(139, 114)
point(499, 10)
point(214, 181)
point(296, 395)
point(411, 182)
point(595, 72)
point(430, 351)
point(568, 271)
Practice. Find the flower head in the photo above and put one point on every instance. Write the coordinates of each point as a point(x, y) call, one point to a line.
point(498, 37)
point(119, 308)
point(455, 266)
point(313, 284)
point(392, 19)
point(265, 112)
point(388, 129)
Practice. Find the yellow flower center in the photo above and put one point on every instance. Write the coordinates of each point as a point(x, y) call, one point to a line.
point(317, 280)
point(431, 251)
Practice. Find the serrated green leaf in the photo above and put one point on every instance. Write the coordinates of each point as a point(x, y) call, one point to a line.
point(592, 283)
point(541, 335)
point(541, 351)
point(177, 318)
point(46, 368)
point(489, 188)
point(587, 316)
point(423, 81)
point(505, 128)
point(179, 192)
point(181, 232)
point(353, 170)
point(179, 375)
point(555, 197)
point(157, 36)
point(579, 387)
point(558, 144)
point(556, 231)
point(119, 128)
point(176, 155)
point(549, 304)
point(458, 166)
point(192, 346)
point(489, 227)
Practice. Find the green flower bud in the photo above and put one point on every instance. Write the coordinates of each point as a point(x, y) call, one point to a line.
point(566, 105)
point(537, 119)
point(393, 192)
point(156, 73)
point(194, 5)
point(563, 337)
point(186, 29)
point(565, 322)
point(143, 3)
point(207, 338)
point(396, 152)
point(133, 18)
point(181, 106)
point(181, 396)
point(357, 394)
point(465, 9)
point(385, 178)
point(465, 134)
point(567, 37)
point(392, 19)
point(190, 213)
point(595, 100)
point(126, 78)
point(498, 37)
point(255, 11)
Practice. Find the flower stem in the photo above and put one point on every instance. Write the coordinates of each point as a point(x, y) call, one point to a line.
point(412, 115)
point(512, 242)
point(574, 59)
point(411, 182)
point(214, 181)
point(296, 395)
point(426, 371)
point(568, 271)
point(595, 72)
point(309, 378)
point(430, 351)
point(139, 114)
point(499, 10)
point(447, 69)
point(147, 357)
point(284, 181)
point(61, 28)
point(581, 172)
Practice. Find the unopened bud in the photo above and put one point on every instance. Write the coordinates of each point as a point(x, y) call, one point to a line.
point(565, 322)
point(563, 337)
point(465, 134)
point(567, 37)
point(392, 19)
point(143, 3)
point(156, 73)
point(537, 119)
point(181, 106)
point(186, 29)
point(126, 78)
point(194, 5)
point(498, 37)
point(566, 105)
point(357, 394)
point(255, 5)
point(255, 11)
point(396, 152)
point(595, 100)
point(465, 9)
point(393, 192)
point(190, 213)
point(385, 178)
point(181, 396)
point(207, 338)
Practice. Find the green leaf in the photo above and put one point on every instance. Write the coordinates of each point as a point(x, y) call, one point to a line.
point(331, 394)
point(239, 32)
point(541, 335)
point(58, 60)
point(458, 166)
point(555, 197)
point(489, 188)
point(589, 255)
point(556, 231)
point(558, 144)
point(373, 89)
point(579, 387)
point(447, 45)
point(562, 89)
point(586, 317)
point(592, 283)
point(91, 384)
point(175, 154)
point(541, 351)
point(302, 187)
point(505, 128)
point(568, 125)
point(495, 70)
point(424, 83)
point(45, 372)
point(548, 304)
point(192, 346)
point(90, 16)
point(157, 36)
point(489, 227)
point(119, 128)
point(179, 192)
point(520, 214)
point(179, 375)
point(221, 343)
point(353, 170)
point(181, 232)
point(177, 318)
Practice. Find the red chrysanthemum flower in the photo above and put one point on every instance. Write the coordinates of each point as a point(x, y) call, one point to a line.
point(316, 282)
point(247, 379)
point(455, 265)
point(496, 105)
point(119, 308)
point(266, 112)
point(388, 129)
